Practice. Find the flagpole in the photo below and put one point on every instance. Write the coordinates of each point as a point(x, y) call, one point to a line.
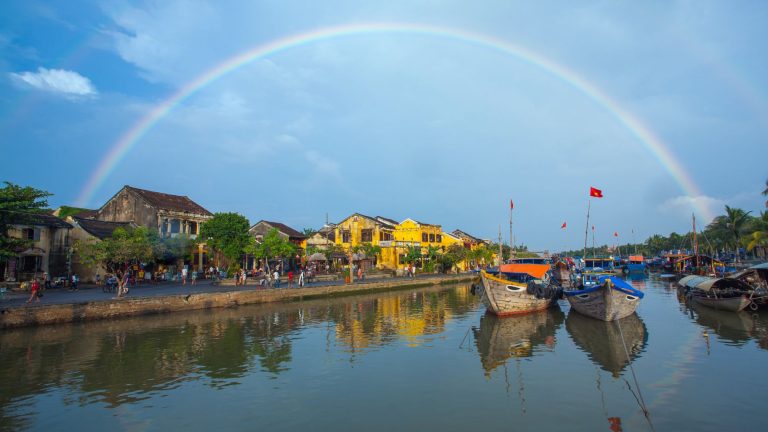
point(511, 237)
point(594, 250)
point(586, 230)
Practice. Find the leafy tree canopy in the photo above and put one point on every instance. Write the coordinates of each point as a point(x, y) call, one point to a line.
point(126, 246)
point(227, 233)
point(18, 205)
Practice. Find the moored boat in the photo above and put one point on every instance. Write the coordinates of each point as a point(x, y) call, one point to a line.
point(609, 299)
point(518, 289)
point(718, 293)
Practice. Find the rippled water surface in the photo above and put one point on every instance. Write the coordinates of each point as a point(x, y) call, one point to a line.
point(426, 359)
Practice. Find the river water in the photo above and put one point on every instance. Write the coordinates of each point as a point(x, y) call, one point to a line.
point(427, 359)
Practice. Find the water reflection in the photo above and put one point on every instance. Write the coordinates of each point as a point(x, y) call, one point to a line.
point(125, 361)
point(733, 328)
point(498, 339)
point(602, 341)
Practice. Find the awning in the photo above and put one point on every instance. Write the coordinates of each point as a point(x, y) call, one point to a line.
point(317, 256)
point(535, 270)
point(705, 283)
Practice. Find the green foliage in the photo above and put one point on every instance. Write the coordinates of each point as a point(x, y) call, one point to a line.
point(18, 205)
point(227, 233)
point(413, 254)
point(126, 246)
point(65, 211)
point(368, 249)
point(455, 254)
point(272, 246)
point(172, 248)
point(308, 232)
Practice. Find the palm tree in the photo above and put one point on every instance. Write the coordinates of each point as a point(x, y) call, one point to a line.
point(759, 237)
point(736, 220)
point(765, 192)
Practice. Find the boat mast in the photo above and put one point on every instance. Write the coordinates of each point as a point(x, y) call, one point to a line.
point(501, 251)
point(695, 241)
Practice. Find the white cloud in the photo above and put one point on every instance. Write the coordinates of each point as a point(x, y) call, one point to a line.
point(322, 164)
point(685, 205)
point(57, 81)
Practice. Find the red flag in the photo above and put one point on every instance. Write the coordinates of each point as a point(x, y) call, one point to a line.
point(511, 205)
point(594, 192)
point(615, 234)
point(563, 226)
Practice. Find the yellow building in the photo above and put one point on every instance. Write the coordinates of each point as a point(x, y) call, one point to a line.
point(358, 229)
point(395, 238)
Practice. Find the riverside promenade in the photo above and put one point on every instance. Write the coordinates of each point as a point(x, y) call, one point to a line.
point(91, 303)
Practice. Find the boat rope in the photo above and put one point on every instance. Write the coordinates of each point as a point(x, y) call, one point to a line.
point(639, 395)
point(461, 345)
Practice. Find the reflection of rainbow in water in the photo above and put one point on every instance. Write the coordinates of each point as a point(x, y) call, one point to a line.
point(645, 136)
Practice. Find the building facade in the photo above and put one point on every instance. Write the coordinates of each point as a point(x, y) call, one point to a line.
point(170, 215)
point(48, 249)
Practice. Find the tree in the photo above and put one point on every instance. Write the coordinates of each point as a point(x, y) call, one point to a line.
point(412, 254)
point(272, 246)
point(17, 206)
point(455, 254)
point(126, 246)
point(765, 192)
point(172, 249)
point(227, 233)
point(737, 220)
point(759, 235)
point(368, 249)
point(308, 232)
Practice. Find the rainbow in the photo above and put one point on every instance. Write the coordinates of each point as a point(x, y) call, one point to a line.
point(129, 139)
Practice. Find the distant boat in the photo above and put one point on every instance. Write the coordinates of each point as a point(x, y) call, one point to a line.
point(602, 341)
point(718, 293)
point(518, 289)
point(609, 298)
point(636, 264)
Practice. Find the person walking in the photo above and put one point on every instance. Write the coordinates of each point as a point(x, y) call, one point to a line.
point(74, 281)
point(290, 278)
point(194, 277)
point(184, 275)
point(276, 275)
point(360, 274)
point(34, 289)
point(46, 280)
point(301, 278)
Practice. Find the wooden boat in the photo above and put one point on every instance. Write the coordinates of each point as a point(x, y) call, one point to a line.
point(561, 273)
point(498, 339)
point(636, 264)
point(757, 278)
point(718, 293)
point(610, 298)
point(518, 289)
point(603, 343)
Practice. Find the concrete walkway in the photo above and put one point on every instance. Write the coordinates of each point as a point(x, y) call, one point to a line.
point(91, 293)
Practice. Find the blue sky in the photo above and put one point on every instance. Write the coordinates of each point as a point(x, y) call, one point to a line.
point(392, 124)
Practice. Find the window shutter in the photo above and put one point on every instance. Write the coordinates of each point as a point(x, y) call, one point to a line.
point(36, 235)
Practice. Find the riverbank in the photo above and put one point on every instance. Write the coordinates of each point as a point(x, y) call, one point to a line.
point(34, 314)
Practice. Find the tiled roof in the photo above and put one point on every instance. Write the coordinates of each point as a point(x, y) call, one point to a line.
point(100, 229)
point(283, 228)
point(40, 219)
point(166, 201)
point(387, 221)
point(462, 235)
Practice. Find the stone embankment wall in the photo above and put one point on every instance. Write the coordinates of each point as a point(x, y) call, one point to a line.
point(132, 306)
